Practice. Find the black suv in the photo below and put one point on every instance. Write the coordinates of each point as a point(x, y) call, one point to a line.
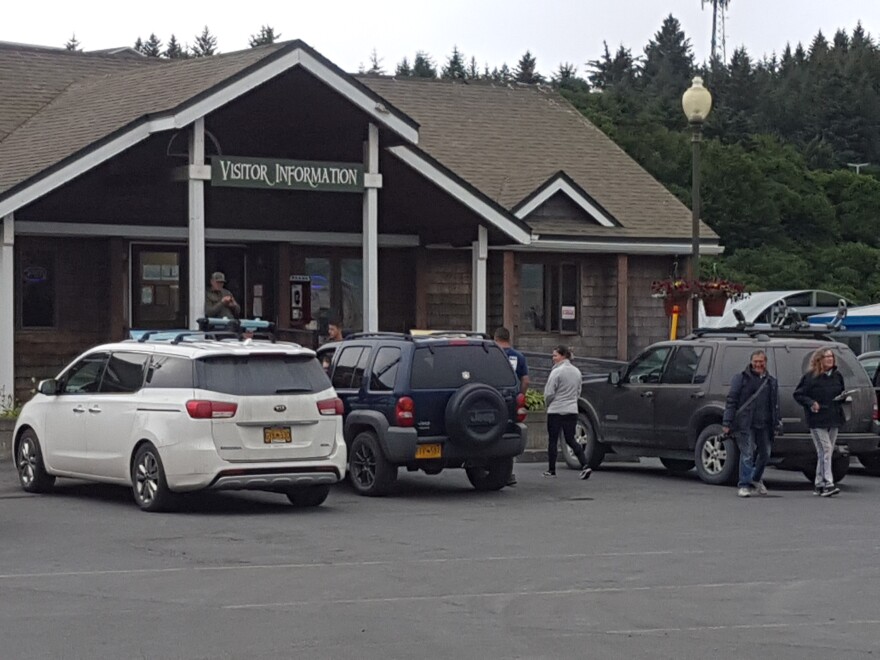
point(426, 403)
point(669, 401)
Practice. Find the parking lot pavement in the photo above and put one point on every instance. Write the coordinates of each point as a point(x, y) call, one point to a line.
point(633, 563)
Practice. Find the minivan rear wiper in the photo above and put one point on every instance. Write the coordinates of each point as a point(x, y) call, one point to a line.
point(290, 390)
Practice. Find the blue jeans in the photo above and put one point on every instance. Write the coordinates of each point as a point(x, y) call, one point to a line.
point(754, 452)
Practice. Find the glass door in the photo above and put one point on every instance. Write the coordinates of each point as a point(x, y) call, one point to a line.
point(158, 301)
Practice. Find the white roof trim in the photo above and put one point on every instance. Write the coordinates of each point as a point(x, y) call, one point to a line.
point(180, 234)
point(186, 116)
point(561, 185)
point(461, 193)
point(616, 247)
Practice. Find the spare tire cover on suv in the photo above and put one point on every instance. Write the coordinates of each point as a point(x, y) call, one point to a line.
point(476, 414)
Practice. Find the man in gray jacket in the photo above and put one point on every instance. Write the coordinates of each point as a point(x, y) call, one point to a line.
point(560, 397)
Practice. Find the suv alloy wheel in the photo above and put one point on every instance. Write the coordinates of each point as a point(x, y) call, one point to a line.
point(370, 472)
point(717, 458)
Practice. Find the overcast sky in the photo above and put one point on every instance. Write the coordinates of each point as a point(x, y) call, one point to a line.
point(493, 31)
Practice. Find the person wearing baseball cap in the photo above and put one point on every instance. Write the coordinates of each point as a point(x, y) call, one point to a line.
point(219, 302)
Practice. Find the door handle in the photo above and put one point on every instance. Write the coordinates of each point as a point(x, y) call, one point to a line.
point(95, 409)
point(698, 395)
point(79, 409)
point(647, 395)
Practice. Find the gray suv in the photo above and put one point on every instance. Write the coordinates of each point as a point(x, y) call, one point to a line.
point(668, 403)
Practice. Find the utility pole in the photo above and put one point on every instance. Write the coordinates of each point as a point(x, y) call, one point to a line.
point(857, 166)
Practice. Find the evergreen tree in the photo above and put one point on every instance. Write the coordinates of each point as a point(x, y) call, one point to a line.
point(73, 44)
point(152, 47)
point(205, 44)
point(526, 72)
point(454, 67)
point(472, 72)
point(376, 68)
point(566, 77)
point(139, 46)
point(403, 70)
point(423, 66)
point(174, 51)
point(613, 72)
point(264, 37)
point(667, 71)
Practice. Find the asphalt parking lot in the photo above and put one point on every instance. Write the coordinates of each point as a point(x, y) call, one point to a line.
point(633, 563)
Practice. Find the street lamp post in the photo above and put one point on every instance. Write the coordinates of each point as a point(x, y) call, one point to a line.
point(696, 103)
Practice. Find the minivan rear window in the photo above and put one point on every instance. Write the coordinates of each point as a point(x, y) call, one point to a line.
point(441, 367)
point(260, 375)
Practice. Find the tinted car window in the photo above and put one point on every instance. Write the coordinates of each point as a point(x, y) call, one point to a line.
point(166, 371)
point(124, 373)
point(683, 366)
point(345, 366)
point(385, 369)
point(735, 359)
point(452, 366)
point(647, 367)
point(259, 375)
point(85, 375)
point(357, 378)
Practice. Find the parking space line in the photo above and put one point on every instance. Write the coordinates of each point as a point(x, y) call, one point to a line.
point(745, 626)
point(496, 594)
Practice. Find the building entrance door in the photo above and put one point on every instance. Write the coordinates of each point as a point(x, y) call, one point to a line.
point(158, 300)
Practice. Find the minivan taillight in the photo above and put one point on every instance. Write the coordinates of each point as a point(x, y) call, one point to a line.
point(201, 409)
point(521, 411)
point(875, 413)
point(330, 406)
point(404, 411)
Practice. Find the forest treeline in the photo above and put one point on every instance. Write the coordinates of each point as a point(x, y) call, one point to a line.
point(791, 154)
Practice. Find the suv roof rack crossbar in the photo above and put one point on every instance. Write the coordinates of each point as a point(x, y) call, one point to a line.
point(378, 333)
point(803, 330)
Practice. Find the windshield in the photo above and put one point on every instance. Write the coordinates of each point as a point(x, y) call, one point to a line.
point(441, 367)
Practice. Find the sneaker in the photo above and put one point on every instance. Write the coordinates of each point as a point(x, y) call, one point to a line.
point(829, 491)
point(744, 492)
point(585, 473)
point(817, 490)
point(511, 480)
point(547, 473)
point(759, 488)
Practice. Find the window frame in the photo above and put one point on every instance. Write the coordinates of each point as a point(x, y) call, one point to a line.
point(553, 269)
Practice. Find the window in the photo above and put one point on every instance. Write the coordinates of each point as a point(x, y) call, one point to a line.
point(357, 378)
point(259, 375)
point(169, 372)
point(443, 367)
point(735, 359)
point(124, 373)
point(84, 376)
point(385, 369)
point(549, 298)
point(37, 289)
point(352, 294)
point(647, 367)
point(689, 364)
point(345, 366)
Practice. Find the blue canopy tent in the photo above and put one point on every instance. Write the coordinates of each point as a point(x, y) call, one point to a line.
point(860, 330)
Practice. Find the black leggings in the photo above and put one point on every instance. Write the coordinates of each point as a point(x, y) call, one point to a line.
point(566, 424)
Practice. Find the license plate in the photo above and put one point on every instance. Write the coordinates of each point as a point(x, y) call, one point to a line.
point(428, 451)
point(276, 434)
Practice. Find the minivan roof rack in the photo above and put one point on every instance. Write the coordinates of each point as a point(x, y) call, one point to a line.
point(215, 329)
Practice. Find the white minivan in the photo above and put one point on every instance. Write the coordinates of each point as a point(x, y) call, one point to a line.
point(184, 414)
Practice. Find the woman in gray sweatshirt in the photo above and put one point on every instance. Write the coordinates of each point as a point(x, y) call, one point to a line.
point(560, 397)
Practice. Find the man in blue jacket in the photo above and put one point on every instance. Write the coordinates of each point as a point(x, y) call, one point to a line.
point(752, 413)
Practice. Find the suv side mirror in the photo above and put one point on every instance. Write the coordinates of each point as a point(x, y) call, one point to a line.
point(614, 378)
point(48, 387)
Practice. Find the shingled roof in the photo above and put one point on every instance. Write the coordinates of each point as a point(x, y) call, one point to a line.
point(508, 141)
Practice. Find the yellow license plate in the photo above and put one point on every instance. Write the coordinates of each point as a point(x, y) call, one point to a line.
point(275, 434)
point(428, 451)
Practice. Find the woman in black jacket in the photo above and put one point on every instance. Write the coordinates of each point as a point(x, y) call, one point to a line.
point(817, 392)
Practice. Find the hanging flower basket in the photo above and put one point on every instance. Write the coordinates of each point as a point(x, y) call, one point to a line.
point(674, 292)
point(715, 293)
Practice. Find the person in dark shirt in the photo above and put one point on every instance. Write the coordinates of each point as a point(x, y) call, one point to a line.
point(818, 393)
point(520, 368)
point(752, 414)
point(219, 302)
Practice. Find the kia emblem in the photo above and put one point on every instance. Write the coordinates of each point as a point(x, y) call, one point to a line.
point(466, 375)
point(280, 408)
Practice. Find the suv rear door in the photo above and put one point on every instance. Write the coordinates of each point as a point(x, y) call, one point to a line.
point(277, 415)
